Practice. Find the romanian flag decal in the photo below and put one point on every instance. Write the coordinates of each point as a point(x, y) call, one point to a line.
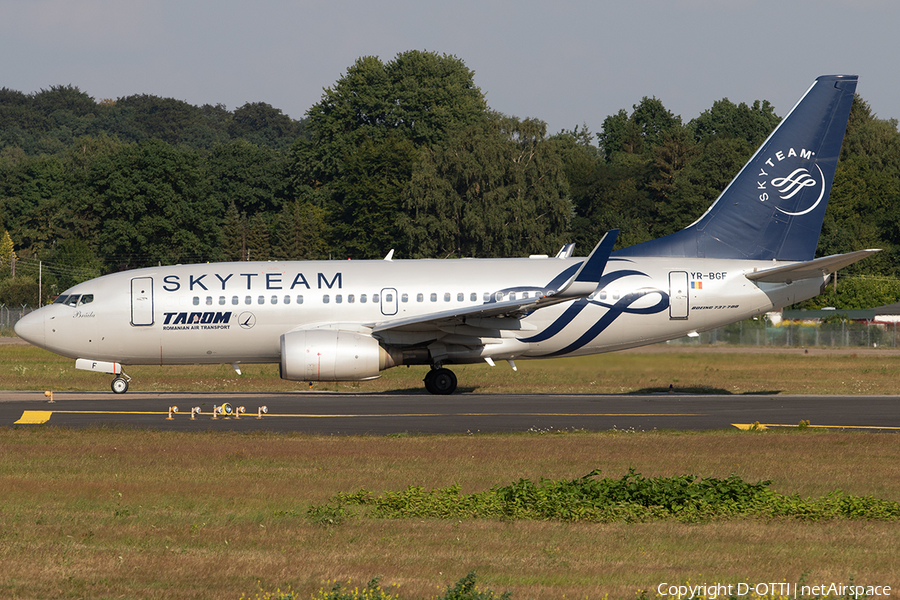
point(696, 285)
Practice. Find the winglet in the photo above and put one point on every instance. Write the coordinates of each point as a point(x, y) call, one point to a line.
point(566, 251)
point(587, 278)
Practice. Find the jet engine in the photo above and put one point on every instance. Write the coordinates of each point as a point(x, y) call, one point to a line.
point(329, 355)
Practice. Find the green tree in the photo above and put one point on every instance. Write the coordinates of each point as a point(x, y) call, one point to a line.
point(165, 119)
point(234, 234)
point(856, 292)
point(19, 291)
point(258, 245)
point(496, 189)
point(261, 123)
point(367, 198)
point(32, 192)
point(752, 124)
point(375, 113)
point(63, 98)
point(253, 177)
point(7, 250)
point(864, 207)
point(639, 132)
point(299, 232)
point(69, 262)
point(150, 201)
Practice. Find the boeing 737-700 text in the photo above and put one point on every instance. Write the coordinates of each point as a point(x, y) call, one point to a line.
point(751, 252)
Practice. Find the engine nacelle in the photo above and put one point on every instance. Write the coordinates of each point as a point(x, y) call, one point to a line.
point(328, 355)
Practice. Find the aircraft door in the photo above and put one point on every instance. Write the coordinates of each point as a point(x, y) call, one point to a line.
point(678, 295)
point(142, 301)
point(389, 301)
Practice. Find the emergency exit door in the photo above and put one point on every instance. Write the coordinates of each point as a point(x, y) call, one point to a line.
point(678, 295)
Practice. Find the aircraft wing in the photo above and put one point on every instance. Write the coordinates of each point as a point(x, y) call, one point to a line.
point(582, 283)
point(818, 267)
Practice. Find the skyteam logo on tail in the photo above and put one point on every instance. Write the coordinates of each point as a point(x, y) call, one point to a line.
point(777, 183)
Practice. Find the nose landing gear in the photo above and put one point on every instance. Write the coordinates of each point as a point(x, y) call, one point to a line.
point(120, 384)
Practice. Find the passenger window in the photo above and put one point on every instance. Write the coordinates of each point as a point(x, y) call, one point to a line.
point(615, 295)
point(433, 297)
point(512, 295)
point(274, 299)
point(261, 300)
point(248, 300)
point(196, 300)
point(299, 299)
point(388, 297)
point(525, 295)
point(287, 299)
point(209, 301)
point(499, 296)
point(473, 297)
point(420, 297)
point(404, 298)
point(222, 300)
point(460, 297)
point(362, 298)
point(86, 299)
point(351, 298)
point(446, 296)
point(338, 298)
point(235, 300)
point(487, 296)
point(374, 297)
point(326, 299)
point(603, 294)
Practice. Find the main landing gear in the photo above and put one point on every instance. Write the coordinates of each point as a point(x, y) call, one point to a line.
point(440, 381)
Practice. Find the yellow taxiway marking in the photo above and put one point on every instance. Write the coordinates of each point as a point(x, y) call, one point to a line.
point(760, 426)
point(34, 417)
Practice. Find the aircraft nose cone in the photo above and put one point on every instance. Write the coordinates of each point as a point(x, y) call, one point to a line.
point(31, 328)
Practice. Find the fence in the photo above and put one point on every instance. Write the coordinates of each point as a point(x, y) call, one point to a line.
point(753, 332)
point(832, 334)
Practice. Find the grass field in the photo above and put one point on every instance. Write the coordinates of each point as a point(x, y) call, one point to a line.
point(722, 370)
point(112, 513)
point(119, 513)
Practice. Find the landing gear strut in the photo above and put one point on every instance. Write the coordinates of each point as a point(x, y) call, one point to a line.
point(440, 381)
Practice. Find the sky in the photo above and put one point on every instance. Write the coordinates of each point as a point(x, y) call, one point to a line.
point(570, 63)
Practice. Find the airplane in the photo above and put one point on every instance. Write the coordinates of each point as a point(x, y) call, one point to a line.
point(750, 253)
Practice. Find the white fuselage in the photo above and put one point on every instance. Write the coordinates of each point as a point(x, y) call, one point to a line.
point(237, 312)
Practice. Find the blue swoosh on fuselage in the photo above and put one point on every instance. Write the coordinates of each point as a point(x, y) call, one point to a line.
point(573, 311)
point(614, 311)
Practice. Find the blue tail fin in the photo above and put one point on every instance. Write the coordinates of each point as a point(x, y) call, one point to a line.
point(775, 206)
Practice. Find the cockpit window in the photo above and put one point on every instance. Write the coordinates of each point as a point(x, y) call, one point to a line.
point(60, 299)
point(73, 300)
point(86, 299)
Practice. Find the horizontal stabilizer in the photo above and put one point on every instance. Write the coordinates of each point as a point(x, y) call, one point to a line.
point(809, 269)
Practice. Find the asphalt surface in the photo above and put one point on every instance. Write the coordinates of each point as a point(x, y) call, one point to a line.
point(386, 414)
